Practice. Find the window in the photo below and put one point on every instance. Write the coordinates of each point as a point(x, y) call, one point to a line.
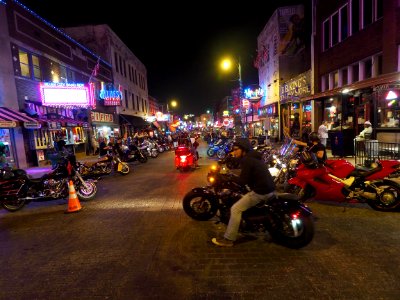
point(378, 60)
point(126, 99)
point(37, 74)
point(367, 12)
point(24, 64)
point(344, 28)
point(326, 37)
point(355, 16)
point(379, 9)
point(368, 68)
point(355, 73)
point(63, 74)
point(335, 79)
point(29, 65)
point(345, 79)
point(388, 111)
point(335, 29)
point(116, 62)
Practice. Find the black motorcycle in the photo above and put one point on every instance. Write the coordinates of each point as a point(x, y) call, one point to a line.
point(289, 222)
point(17, 189)
point(132, 153)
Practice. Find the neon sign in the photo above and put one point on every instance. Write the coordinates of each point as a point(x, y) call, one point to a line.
point(110, 95)
point(61, 94)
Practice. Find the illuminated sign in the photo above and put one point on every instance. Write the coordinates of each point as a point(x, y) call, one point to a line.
point(254, 93)
point(101, 117)
point(110, 95)
point(66, 94)
point(7, 124)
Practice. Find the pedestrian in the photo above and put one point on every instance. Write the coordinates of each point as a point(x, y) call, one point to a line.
point(255, 174)
point(3, 159)
point(323, 132)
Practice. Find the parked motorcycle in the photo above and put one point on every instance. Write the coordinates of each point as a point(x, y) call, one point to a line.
point(132, 153)
point(288, 221)
point(104, 166)
point(339, 181)
point(17, 189)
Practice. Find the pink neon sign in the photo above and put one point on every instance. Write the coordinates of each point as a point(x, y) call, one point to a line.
point(66, 94)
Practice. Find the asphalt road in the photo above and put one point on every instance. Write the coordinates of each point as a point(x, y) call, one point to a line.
point(135, 242)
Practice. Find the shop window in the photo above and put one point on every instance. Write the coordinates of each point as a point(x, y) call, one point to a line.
point(388, 110)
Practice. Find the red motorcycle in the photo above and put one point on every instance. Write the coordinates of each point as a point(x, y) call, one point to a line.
point(185, 158)
point(339, 181)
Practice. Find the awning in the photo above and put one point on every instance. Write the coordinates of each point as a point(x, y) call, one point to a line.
point(133, 120)
point(10, 116)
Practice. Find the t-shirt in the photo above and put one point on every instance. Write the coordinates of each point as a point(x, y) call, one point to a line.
point(314, 148)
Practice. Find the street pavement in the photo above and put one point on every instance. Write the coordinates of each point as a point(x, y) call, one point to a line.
point(135, 242)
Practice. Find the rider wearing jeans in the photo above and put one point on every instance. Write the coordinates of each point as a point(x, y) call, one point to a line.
point(254, 173)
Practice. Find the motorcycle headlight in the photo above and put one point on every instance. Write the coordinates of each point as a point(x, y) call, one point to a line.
point(211, 179)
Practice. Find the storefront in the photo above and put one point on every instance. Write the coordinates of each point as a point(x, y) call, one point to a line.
point(13, 126)
point(103, 125)
point(295, 111)
point(270, 120)
point(387, 113)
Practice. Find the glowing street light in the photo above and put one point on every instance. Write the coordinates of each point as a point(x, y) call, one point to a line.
point(226, 64)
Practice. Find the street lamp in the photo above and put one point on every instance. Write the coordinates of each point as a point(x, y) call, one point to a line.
point(226, 64)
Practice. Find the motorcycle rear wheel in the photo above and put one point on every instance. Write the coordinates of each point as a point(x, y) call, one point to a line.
point(389, 199)
point(199, 206)
point(293, 232)
point(210, 152)
point(13, 205)
point(125, 169)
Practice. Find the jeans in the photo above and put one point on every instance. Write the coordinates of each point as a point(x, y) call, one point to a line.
point(323, 141)
point(248, 200)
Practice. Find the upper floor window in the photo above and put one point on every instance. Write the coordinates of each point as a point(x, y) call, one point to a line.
point(30, 65)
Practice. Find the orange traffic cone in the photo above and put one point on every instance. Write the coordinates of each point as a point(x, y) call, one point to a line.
point(73, 202)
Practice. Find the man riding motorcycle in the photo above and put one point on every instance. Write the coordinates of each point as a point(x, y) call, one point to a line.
point(254, 174)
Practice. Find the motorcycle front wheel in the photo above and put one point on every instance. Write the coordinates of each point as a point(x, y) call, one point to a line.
point(199, 206)
point(88, 191)
point(210, 152)
point(389, 197)
point(13, 205)
point(293, 230)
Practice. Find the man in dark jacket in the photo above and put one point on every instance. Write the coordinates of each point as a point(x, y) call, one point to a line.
point(254, 173)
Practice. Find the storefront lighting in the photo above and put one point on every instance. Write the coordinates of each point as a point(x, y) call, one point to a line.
point(345, 91)
point(391, 95)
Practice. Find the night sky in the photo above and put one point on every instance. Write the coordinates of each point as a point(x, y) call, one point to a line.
point(181, 45)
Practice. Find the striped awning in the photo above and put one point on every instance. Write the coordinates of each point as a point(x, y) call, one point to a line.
point(10, 117)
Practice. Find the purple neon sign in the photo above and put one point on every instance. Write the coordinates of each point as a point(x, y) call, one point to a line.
point(67, 94)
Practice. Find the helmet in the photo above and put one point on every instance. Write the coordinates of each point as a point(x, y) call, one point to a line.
point(313, 137)
point(309, 159)
point(243, 143)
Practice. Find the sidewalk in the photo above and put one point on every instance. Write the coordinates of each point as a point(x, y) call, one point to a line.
point(36, 172)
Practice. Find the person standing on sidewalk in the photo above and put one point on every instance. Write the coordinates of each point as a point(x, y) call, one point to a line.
point(323, 132)
point(255, 174)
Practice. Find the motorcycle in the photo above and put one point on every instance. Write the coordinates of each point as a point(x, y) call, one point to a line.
point(288, 221)
point(340, 181)
point(17, 189)
point(104, 166)
point(184, 158)
point(132, 153)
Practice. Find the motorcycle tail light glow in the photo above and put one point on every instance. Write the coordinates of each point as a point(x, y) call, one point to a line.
point(211, 179)
point(183, 158)
point(214, 167)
